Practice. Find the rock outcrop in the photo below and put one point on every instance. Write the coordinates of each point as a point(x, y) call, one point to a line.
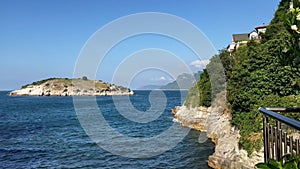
point(216, 122)
point(71, 87)
point(191, 117)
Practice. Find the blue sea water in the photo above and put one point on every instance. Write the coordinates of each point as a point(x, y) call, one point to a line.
point(44, 132)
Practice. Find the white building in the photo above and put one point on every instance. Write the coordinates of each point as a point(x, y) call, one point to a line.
point(238, 39)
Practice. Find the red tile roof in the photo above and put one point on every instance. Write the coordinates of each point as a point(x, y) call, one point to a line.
point(260, 27)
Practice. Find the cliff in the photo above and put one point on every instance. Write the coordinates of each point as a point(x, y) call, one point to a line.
point(71, 87)
point(215, 121)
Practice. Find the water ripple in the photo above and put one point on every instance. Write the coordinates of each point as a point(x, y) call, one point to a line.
point(44, 132)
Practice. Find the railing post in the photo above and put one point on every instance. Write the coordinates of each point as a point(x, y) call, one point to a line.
point(280, 154)
point(285, 143)
point(266, 138)
point(278, 143)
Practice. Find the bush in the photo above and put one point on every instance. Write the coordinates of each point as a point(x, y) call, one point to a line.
point(84, 78)
point(286, 162)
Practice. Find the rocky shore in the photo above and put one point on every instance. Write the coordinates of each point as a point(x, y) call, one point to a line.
point(215, 121)
point(71, 87)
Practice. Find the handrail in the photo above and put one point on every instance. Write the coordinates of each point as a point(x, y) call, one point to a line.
point(284, 109)
point(276, 140)
point(291, 122)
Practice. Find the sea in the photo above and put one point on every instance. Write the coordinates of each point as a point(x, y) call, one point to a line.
point(46, 132)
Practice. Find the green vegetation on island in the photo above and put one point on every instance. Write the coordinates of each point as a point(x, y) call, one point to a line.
point(259, 73)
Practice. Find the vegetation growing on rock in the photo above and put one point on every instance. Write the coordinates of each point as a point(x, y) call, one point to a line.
point(258, 74)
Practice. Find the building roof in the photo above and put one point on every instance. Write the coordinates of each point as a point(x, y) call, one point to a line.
point(261, 27)
point(252, 32)
point(240, 37)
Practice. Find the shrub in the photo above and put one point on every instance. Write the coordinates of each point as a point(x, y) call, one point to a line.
point(84, 78)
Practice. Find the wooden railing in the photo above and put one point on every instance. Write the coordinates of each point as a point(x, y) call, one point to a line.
point(281, 134)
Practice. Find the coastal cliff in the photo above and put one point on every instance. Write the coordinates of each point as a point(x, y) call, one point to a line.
point(215, 121)
point(257, 74)
point(71, 87)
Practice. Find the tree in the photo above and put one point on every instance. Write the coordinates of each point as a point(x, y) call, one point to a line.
point(292, 20)
point(84, 78)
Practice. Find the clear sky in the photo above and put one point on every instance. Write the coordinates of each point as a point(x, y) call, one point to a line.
point(42, 39)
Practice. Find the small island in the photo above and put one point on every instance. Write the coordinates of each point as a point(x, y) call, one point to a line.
point(71, 87)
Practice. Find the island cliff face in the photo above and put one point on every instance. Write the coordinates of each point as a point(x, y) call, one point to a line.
point(215, 121)
point(71, 87)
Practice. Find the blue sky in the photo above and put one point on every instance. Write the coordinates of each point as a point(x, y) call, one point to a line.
point(42, 39)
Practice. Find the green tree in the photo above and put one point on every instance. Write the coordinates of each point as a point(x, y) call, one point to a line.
point(84, 78)
point(204, 87)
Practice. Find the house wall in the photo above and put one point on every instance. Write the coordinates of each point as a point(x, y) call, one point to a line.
point(253, 35)
point(261, 30)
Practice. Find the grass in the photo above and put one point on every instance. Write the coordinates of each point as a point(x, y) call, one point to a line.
point(73, 84)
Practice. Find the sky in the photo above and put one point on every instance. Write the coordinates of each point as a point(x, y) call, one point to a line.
point(43, 39)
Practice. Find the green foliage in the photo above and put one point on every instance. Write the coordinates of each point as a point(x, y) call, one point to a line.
point(84, 78)
point(37, 82)
point(277, 23)
point(261, 77)
point(292, 23)
point(192, 99)
point(227, 61)
point(204, 89)
point(286, 162)
point(257, 74)
point(216, 75)
point(212, 81)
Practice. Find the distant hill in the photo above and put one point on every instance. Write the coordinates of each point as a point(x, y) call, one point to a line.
point(71, 87)
point(185, 80)
point(150, 87)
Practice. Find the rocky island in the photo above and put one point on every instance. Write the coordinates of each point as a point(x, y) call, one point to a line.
point(71, 87)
